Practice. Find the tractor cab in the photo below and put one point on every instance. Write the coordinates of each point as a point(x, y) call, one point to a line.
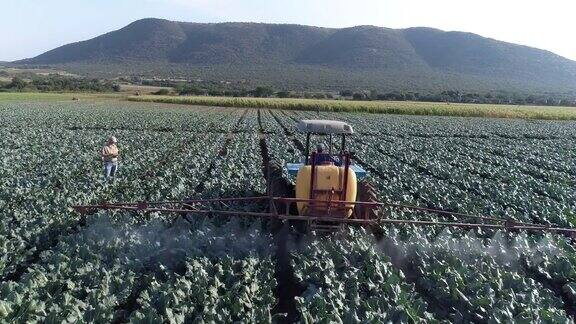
point(326, 186)
point(322, 129)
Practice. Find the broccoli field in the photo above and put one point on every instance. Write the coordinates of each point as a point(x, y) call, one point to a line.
point(146, 268)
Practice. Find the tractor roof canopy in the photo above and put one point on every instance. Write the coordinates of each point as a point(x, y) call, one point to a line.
point(324, 127)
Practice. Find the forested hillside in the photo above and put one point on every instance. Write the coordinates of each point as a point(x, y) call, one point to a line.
point(304, 57)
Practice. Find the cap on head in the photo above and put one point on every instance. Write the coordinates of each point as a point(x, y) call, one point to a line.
point(112, 139)
point(319, 148)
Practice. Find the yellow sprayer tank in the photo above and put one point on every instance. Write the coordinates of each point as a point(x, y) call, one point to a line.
point(328, 177)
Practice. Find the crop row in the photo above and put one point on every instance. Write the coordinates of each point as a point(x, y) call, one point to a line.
point(224, 271)
point(84, 268)
point(455, 177)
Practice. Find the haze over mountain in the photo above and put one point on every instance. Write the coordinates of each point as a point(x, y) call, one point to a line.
point(305, 57)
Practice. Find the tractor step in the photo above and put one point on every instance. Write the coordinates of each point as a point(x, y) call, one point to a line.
point(325, 227)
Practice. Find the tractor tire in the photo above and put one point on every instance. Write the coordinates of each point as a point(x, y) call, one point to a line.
point(279, 186)
point(366, 193)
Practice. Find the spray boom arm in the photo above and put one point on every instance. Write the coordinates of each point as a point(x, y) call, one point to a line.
point(224, 206)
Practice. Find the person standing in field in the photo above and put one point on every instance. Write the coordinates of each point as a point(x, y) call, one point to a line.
point(110, 157)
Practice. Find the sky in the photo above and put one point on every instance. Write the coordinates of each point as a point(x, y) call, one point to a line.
point(31, 27)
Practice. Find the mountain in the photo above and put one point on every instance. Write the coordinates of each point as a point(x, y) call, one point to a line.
point(305, 57)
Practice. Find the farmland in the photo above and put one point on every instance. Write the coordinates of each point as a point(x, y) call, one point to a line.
point(120, 266)
point(379, 107)
point(52, 96)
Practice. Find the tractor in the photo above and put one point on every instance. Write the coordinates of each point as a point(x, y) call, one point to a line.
point(328, 183)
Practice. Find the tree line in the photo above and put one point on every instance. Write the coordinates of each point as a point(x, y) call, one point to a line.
point(455, 96)
point(56, 82)
point(449, 96)
point(59, 83)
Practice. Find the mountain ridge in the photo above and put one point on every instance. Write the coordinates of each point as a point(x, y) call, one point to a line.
point(411, 58)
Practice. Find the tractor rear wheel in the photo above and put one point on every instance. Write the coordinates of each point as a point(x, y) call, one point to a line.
point(366, 193)
point(279, 186)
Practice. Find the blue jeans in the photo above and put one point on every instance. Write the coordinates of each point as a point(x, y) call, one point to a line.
point(110, 169)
